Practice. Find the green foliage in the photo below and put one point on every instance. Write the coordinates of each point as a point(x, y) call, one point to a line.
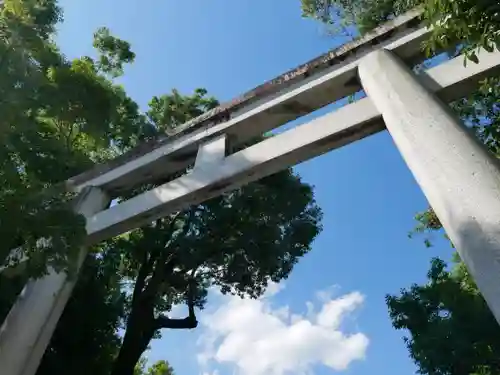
point(86, 340)
point(427, 222)
point(364, 14)
point(114, 52)
point(452, 329)
point(58, 118)
point(237, 242)
point(37, 18)
point(26, 211)
point(481, 111)
point(171, 110)
point(159, 368)
point(475, 24)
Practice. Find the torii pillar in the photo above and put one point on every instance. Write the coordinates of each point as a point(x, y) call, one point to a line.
point(458, 175)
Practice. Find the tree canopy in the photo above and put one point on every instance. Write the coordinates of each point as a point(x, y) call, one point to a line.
point(238, 242)
point(451, 329)
point(472, 23)
point(60, 118)
point(158, 368)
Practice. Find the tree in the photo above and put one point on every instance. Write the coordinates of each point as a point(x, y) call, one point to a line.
point(86, 339)
point(68, 115)
point(237, 242)
point(64, 116)
point(24, 31)
point(452, 329)
point(159, 368)
point(473, 23)
point(114, 52)
point(59, 118)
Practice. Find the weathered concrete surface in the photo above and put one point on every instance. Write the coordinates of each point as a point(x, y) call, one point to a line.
point(298, 92)
point(27, 330)
point(334, 130)
point(211, 153)
point(459, 177)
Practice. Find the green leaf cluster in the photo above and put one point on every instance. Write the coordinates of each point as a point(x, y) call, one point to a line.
point(452, 329)
point(158, 368)
point(59, 118)
point(474, 24)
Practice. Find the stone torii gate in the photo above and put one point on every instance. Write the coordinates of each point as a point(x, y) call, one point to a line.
point(459, 177)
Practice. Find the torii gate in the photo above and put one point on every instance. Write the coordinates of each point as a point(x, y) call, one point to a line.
point(459, 177)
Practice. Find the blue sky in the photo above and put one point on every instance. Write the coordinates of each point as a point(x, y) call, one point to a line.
point(368, 195)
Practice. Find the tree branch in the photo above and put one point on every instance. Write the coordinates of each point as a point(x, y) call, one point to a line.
point(166, 322)
point(145, 268)
point(147, 263)
point(165, 264)
point(189, 322)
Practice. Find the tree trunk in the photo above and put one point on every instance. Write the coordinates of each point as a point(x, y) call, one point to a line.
point(139, 332)
point(142, 324)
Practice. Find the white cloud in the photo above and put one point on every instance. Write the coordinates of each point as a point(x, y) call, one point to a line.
point(259, 339)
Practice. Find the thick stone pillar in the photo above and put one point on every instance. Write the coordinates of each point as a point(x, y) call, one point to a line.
point(27, 330)
point(459, 177)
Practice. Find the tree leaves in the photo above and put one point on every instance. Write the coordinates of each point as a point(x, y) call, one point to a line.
point(474, 24)
point(172, 110)
point(61, 117)
point(86, 340)
point(452, 329)
point(114, 52)
point(237, 242)
point(158, 368)
point(58, 118)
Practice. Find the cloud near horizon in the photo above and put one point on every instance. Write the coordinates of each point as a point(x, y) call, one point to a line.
point(257, 338)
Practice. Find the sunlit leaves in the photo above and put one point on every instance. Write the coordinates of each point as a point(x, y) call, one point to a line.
point(158, 368)
point(114, 52)
point(171, 110)
point(452, 329)
point(59, 117)
point(475, 24)
point(39, 16)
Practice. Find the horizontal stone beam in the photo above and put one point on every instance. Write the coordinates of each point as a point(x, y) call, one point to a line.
point(296, 93)
point(350, 123)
